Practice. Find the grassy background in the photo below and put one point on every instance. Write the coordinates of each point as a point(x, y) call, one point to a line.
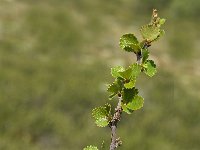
point(55, 59)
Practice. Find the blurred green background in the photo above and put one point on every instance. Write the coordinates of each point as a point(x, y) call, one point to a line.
point(55, 59)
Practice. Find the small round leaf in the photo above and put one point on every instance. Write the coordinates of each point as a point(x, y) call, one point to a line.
point(129, 43)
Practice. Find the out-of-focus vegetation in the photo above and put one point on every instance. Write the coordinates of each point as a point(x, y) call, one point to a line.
point(55, 57)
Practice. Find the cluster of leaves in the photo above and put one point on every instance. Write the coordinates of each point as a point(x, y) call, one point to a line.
point(125, 78)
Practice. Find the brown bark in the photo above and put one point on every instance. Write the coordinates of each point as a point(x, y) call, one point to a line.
point(115, 142)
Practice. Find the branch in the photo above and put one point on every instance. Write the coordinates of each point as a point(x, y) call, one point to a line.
point(115, 142)
point(125, 78)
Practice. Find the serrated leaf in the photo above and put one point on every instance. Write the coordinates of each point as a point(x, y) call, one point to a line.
point(150, 32)
point(150, 68)
point(129, 43)
point(91, 147)
point(126, 74)
point(125, 109)
point(145, 55)
point(119, 81)
point(128, 94)
point(115, 88)
point(102, 115)
point(130, 84)
point(136, 69)
point(115, 70)
point(162, 32)
point(130, 73)
point(108, 109)
point(136, 103)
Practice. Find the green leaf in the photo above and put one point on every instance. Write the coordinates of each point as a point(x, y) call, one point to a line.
point(150, 32)
point(162, 21)
point(102, 115)
point(91, 147)
point(136, 69)
point(162, 32)
point(150, 68)
point(128, 94)
point(119, 81)
point(136, 103)
point(130, 84)
point(115, 70)
point(115, 88)
point(129, 43)
point(132, 72)
point(127, 110)
point(145, 55)
point(126, 74)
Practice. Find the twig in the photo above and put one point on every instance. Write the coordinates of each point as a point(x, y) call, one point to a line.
point(115, 142)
